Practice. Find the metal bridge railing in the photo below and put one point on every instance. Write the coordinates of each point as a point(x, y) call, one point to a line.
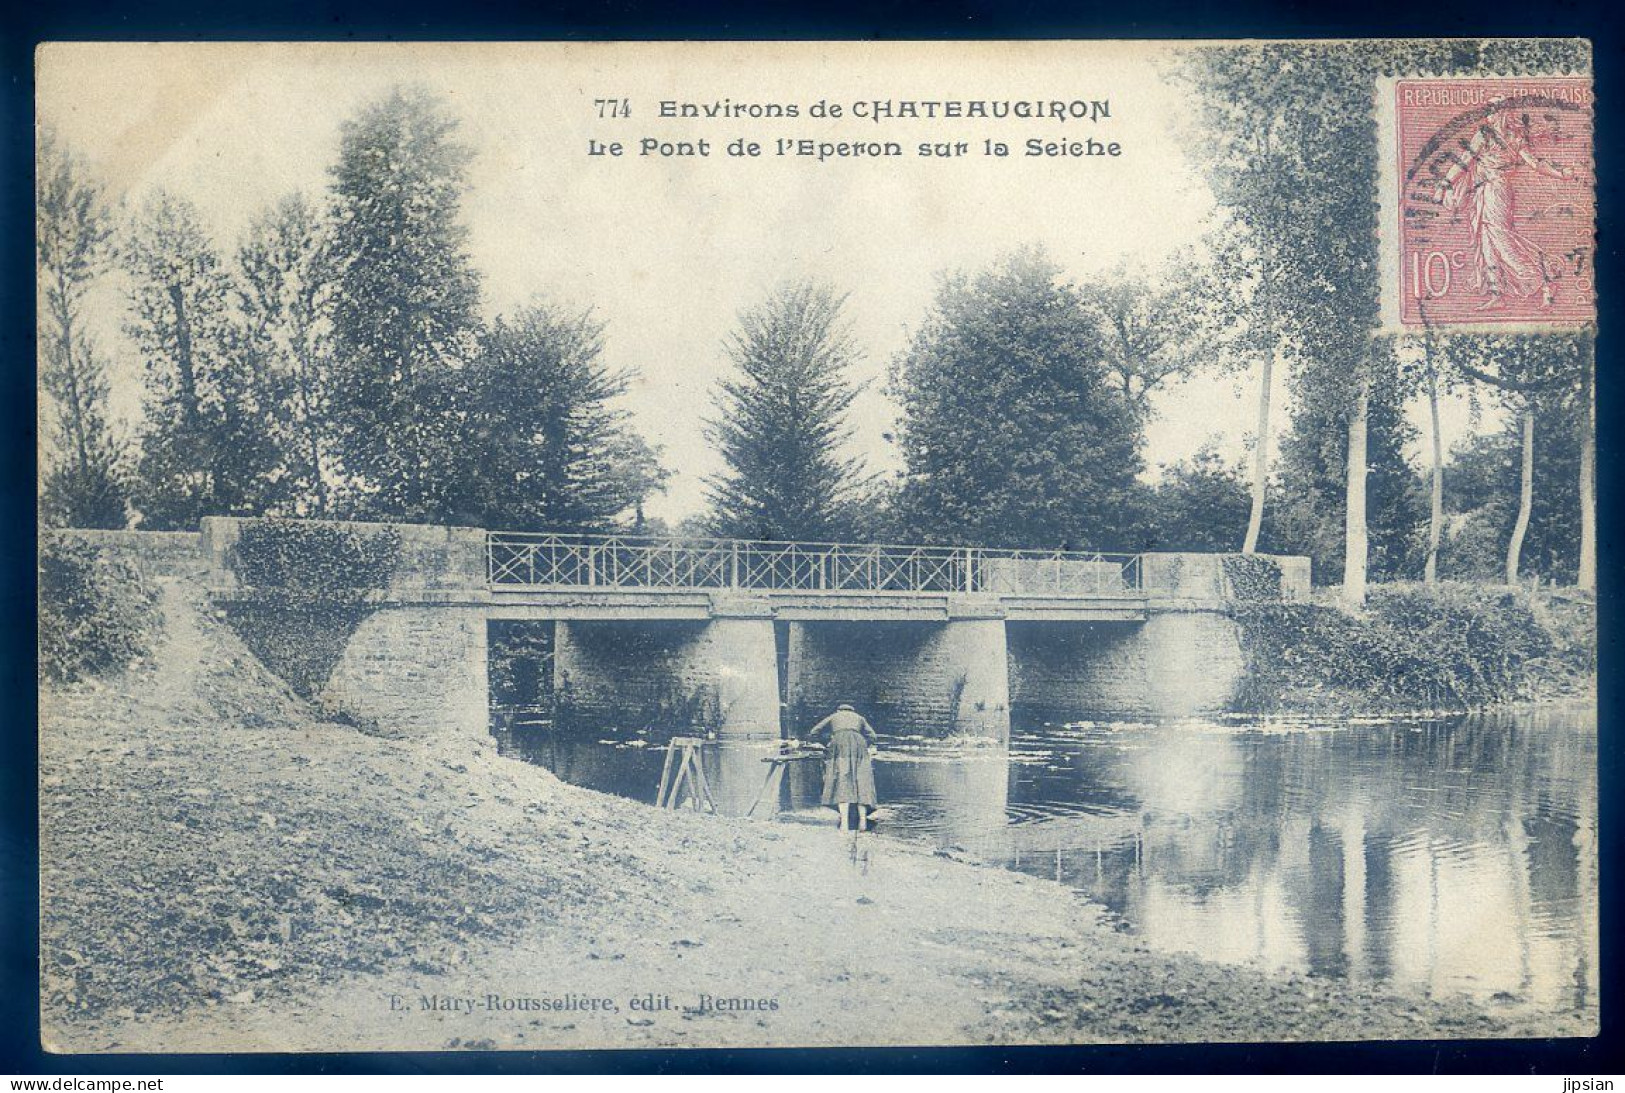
point(518, 560)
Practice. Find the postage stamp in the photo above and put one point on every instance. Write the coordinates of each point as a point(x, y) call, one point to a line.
point(1494, 203)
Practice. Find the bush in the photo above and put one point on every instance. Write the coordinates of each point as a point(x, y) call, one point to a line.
point(1570, 617)
point(306, 590)
point(1457, 645)
point(1199, 504)
point(1451, 647)
point(96, 613)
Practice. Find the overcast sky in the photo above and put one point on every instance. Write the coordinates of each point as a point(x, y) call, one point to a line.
point(666, 251)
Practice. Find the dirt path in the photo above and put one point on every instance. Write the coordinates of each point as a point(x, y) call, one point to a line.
point(224, 872)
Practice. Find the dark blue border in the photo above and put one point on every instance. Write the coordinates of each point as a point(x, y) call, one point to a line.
point(874, 19)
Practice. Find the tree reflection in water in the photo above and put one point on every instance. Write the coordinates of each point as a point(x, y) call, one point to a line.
point(1455, 855)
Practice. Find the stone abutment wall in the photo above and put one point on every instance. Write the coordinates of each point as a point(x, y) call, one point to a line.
point(1175, 664)
point(418, 663)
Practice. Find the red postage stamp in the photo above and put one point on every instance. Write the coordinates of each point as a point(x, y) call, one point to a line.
point(1496, 202)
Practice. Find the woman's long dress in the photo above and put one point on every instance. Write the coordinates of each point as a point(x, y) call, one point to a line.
point(849, 772)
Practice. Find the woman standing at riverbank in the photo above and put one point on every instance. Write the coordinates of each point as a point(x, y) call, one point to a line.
point(849, 772)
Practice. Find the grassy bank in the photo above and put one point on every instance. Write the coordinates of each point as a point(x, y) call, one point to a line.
point(1447, 647)
point(223, 870)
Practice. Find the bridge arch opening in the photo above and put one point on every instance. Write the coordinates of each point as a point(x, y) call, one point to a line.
point(1077, 671)
point(911, 678)
point(521, 671)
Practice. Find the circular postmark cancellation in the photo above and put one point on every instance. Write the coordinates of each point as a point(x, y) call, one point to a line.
point(1496, 203)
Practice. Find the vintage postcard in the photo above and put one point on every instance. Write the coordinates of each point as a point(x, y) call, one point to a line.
point(654, 545)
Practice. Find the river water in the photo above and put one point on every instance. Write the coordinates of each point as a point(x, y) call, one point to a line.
point(1454, 855)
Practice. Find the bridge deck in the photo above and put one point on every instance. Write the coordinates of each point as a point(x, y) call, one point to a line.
point(585, 605)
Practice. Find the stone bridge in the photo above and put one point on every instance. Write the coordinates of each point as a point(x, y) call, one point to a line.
point(926, 639)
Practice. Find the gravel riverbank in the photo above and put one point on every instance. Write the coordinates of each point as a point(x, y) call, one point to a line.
point(223, 871)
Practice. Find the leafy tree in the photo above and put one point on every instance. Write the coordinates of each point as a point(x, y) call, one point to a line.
point(1483, 479)
point(205, 448)
point(1396, 503)
point(1197, 503)
point(545, 447)
point(1287, 143)
point(1528, 370)
point(1423, 368)
point(781, 421)
point(404, 306)
point(1247, 309)
point(635, 464)
point(284, 283)
point(1308, 518)
point(1158, 330)
point(84, 482)
point(1013, 432)
point(1585, 575)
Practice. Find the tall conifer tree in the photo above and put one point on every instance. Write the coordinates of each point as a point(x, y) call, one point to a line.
point(547, 442)
point(781, 422)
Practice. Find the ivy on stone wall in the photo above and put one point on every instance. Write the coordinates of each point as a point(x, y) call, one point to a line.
point(305, 590)
point(321, 561)
point(1252, 578)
